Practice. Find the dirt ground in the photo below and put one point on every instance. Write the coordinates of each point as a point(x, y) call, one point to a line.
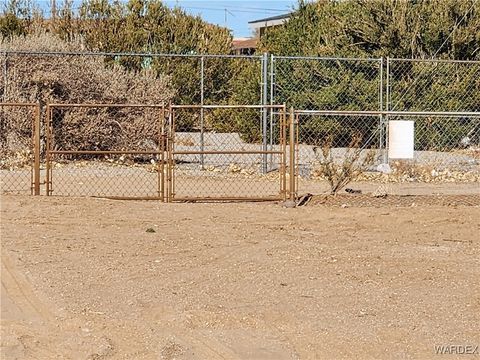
point(86, 278)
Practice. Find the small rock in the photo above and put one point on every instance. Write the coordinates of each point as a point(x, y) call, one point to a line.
point(384, 168)
point(289, 204)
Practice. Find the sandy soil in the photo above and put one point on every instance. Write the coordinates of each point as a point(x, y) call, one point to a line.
point(87, 278)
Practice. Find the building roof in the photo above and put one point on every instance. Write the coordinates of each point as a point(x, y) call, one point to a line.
point(244, 43)
point(272, 18)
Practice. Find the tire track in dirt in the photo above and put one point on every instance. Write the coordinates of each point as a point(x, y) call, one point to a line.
point(18, 295)
point(31, 327)
point(218, 344)
point(24, 316)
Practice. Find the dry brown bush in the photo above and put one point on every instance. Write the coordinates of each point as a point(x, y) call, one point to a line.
point(350, 167)
point(77, 79)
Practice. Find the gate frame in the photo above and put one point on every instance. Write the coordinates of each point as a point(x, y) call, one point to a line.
point(160, 151)
point(284, 123)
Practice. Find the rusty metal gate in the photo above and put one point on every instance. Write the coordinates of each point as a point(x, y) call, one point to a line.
point(227, 152)
point(20, 148)
point(105, 150)
point(135, 151)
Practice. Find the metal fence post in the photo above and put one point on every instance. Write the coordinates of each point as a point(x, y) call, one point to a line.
point(381, 86)
point(5, 77)
point(382, 131)
point(36, 151)
point(170, 158)
point(387, 108)
point(161, 167)
point(48, 131)
point(272, 74)
point(264, 110)
point(202, 113)
point(291, 122)
point(283, 144)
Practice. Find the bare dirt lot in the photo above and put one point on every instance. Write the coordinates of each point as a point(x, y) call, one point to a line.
point(86, 278)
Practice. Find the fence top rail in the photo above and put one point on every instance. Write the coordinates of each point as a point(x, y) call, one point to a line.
point(325, 58)
point(192, 106)
point(91, 53)
point(227, 152)
point(58, 105)
point(436, 61)
point(18, 104)
point(104, 152)
point(387, 113)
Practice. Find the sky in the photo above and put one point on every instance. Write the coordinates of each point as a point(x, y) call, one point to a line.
point(234, 14)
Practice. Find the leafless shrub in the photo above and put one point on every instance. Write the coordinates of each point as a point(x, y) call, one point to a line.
point(77, 79)
point(16, 136)
point(350, 167)
point(106, 128)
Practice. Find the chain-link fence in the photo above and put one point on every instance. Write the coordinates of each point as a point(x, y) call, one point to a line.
point(345, 109)
point(105, 150)
point(314, 83)
point(445, 158)
point(222, 160)
point(446, 145)
point(68, 77)
point(367, 158)
point(179, 153)
point(433, 85)
point(19, 148)
point(334, 149)
point(358, 93)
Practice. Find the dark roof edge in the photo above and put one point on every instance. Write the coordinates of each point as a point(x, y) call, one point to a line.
point(278, 17)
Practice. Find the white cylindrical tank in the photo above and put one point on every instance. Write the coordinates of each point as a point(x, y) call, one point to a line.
point(400, 139)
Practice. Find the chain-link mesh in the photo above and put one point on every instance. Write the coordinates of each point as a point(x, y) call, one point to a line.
point(83, 78)
point(112, 175)
point(231, 80)
point(429, 85)
point(130, 78)
point(17, 123)
point(345, 155)
point(334, 151)
point(446, 144)
point(111, 78)
point(446, 158)
point(106, 150)
point(221, 154)
point(308, 83)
